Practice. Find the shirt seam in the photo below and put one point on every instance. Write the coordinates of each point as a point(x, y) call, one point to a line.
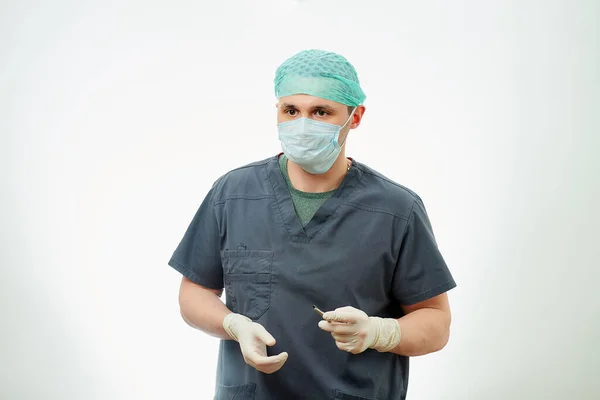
point(377, 210)
point(256, 164)
point(447, 283)
point(242, 197)
point(412, 193)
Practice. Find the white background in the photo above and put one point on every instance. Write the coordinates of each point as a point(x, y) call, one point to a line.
point(116, 117)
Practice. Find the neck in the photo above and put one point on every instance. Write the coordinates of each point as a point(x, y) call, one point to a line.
point(330, 180)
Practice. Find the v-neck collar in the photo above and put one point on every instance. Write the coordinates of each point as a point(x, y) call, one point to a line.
point(324, 214)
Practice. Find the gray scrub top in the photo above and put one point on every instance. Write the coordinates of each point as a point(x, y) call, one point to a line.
point(370, 246)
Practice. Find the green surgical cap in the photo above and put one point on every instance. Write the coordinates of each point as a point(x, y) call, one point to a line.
point(321, 74)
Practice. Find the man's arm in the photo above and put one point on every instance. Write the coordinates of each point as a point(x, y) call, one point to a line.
point(425, 327)
point(202, 308)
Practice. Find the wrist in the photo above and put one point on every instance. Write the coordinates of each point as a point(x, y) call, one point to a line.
point(387, 334)
point(232, 322)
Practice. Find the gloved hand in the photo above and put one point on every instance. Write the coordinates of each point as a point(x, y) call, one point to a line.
point(354, 331)
point(253, 339)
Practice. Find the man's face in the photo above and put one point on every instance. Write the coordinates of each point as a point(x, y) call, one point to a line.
point(302, 105)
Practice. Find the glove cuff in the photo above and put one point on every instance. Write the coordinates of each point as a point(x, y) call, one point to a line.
point(232, 321)
point(388, 334)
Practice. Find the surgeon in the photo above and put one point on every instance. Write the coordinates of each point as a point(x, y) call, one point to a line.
point(312, 227)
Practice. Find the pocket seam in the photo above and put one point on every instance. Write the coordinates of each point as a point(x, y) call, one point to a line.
point(340, 395)
point(240, 253)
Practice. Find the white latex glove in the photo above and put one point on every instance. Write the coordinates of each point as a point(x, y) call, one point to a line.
point(354, 331)
point(253, 339)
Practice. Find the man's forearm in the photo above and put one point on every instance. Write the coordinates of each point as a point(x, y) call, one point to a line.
point(204, 310)
point(423, 331)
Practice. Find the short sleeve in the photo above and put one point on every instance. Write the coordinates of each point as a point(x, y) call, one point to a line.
point(198, 256)
point(421, 272)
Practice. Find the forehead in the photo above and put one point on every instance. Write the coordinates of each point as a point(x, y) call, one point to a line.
point(306, 101)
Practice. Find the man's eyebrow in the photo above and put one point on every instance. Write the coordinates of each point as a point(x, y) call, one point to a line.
point(324, 107)
point(315, 107)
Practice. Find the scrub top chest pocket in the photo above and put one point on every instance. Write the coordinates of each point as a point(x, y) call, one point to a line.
point(247, 278)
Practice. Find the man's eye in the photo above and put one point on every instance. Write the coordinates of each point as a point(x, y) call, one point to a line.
point(321, 113)
point(291, 113)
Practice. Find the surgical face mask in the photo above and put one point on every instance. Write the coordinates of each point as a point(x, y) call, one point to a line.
point(313, 145)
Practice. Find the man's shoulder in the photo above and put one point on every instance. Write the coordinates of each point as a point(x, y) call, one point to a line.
point(248, 170)
point(385, 194)
point(247, 180)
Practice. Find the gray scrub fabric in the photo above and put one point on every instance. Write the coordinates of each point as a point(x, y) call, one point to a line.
point(370, 246)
